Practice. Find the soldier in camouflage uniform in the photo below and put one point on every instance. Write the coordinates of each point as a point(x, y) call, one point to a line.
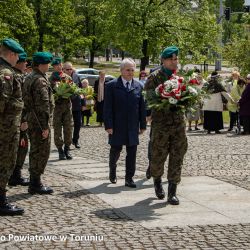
point(168, 132)
point(16, 178)
point(11, 106)
point(39, 104)
point(62, 118)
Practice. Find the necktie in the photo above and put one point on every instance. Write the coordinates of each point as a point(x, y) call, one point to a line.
point(127, 86)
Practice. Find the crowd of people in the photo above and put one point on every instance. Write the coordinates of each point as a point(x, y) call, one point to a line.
point(28, 110)
point(229, 95)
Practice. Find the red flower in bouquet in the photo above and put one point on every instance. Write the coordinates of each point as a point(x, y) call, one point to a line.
point(193, 81)
point(170, 89)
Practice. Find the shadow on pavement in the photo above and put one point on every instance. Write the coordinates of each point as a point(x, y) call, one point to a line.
point(19, 197)
point(108, 188)
point(140, 211)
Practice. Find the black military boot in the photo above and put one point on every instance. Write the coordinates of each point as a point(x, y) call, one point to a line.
point(148, 173)
point(159, 191)
point(61, 154)
point(36, 187)
point(172, 198)
point(67, 153)
point(17, 179)
point(7, 208)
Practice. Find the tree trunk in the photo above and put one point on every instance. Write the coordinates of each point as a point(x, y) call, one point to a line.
point(92, 57)
point(145, 58)
point(107, 53)
point(122, 54)
point(40, 44)
point(39, 25)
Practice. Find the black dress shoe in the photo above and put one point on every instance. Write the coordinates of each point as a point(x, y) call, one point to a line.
point(19, 181)
point(77, 145)
point(113, 179)
point(130, 183)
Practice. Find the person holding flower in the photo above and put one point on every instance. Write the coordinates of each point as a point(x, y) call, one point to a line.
point(87, 101)
point(168, 125)
point(62, 117)
point(194, 114)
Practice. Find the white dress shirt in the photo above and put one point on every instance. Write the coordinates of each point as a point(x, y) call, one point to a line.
point(125, 83)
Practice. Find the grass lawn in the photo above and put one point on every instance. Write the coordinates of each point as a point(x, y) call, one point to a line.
point(94, 123)
point(226, 117)
point(92, 119)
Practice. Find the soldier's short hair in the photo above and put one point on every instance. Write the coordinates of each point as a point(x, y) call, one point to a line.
point(34, 64)
point(127, 61)
point(4, 50)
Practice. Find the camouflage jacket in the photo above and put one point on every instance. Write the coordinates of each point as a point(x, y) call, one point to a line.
point(38, 100)
point(164, 117)
point(11, 103)
point(20, 76)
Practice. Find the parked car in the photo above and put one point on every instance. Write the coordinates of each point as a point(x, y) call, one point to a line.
point(92, 75)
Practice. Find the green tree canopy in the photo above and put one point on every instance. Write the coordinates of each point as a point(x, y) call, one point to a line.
point(16, 21)
point(144, 27)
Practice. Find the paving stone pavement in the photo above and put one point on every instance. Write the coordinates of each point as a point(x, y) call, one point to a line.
point(75, 213)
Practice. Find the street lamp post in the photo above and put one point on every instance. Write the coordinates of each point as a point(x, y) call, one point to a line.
point(219, 55)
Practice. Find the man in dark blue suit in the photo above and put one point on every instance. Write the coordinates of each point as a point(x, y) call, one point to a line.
point(124, 119)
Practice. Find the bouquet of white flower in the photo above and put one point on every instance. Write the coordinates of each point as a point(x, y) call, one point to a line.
point(174, 93)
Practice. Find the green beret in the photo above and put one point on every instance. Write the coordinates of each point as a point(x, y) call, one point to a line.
point(22, 57)
point(12, 45)
point(169, 51)
point(42, 57)
point(56, 61)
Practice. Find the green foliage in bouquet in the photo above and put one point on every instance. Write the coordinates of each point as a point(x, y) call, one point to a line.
point(65, 91)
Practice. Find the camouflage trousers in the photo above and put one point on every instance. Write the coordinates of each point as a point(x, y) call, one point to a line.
point(22, 149)
point(62, 120)
point(9, 137)
point(39, 152)
point(168, 141)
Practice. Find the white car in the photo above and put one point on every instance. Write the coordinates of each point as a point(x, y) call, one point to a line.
point(92, 75)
